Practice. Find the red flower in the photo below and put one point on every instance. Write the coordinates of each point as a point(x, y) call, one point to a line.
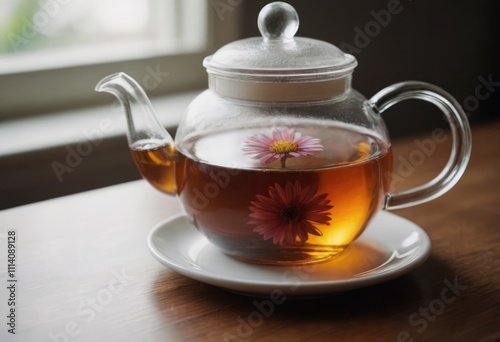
point(289, 214)
point(283, 143)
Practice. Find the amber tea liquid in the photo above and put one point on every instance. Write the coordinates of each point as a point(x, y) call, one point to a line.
point(217, 184)
point(156, 164)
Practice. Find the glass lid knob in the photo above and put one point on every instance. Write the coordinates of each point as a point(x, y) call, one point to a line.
point(278, 20)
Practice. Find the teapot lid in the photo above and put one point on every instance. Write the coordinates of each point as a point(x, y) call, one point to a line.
point(278, 52)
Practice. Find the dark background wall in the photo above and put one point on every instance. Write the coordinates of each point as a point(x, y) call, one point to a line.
point(449, 43)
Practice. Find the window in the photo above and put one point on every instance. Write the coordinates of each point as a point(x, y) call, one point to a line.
point(53, 52)
point(56, 33)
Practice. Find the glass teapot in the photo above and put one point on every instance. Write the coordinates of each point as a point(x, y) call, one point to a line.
point(280, 161)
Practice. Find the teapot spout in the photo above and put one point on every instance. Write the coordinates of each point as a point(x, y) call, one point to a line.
point(151, 145)
point(142, 123)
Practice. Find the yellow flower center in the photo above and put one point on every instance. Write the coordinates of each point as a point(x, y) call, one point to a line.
point(283, 146)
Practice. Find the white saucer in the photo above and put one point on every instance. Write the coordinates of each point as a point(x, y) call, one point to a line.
point(390, 247)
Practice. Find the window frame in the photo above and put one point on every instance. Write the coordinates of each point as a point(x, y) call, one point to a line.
point(35, 92)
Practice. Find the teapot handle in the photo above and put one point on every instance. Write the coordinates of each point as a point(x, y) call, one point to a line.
point(461, 139)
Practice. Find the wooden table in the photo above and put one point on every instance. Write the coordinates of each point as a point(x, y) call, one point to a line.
point(84, 272)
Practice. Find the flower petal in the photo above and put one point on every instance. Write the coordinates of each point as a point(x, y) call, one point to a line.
point(259, 145)
point(289, 214)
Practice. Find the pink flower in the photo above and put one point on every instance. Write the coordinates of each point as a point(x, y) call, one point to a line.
point(282, 144)
point(289, 214)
